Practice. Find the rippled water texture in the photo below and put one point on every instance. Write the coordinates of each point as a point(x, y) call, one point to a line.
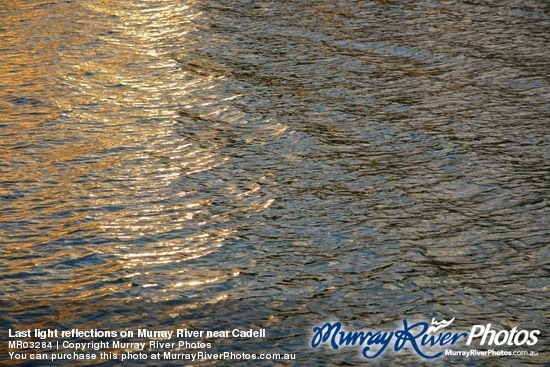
point(275, 164)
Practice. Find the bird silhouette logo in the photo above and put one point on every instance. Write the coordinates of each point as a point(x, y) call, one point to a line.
point(436, 325)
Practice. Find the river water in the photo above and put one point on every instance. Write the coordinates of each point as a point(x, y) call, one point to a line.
point(275, 164)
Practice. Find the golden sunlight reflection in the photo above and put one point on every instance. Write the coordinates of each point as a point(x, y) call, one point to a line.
point(176, 311)
point(141, 153)
point(205, 281)
point(173, 252)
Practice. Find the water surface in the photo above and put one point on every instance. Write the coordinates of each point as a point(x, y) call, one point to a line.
point(275, 164)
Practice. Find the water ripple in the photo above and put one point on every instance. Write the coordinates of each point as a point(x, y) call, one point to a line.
point(288, 161)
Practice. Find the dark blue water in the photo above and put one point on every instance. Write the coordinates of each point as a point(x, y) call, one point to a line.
point(275, 164)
